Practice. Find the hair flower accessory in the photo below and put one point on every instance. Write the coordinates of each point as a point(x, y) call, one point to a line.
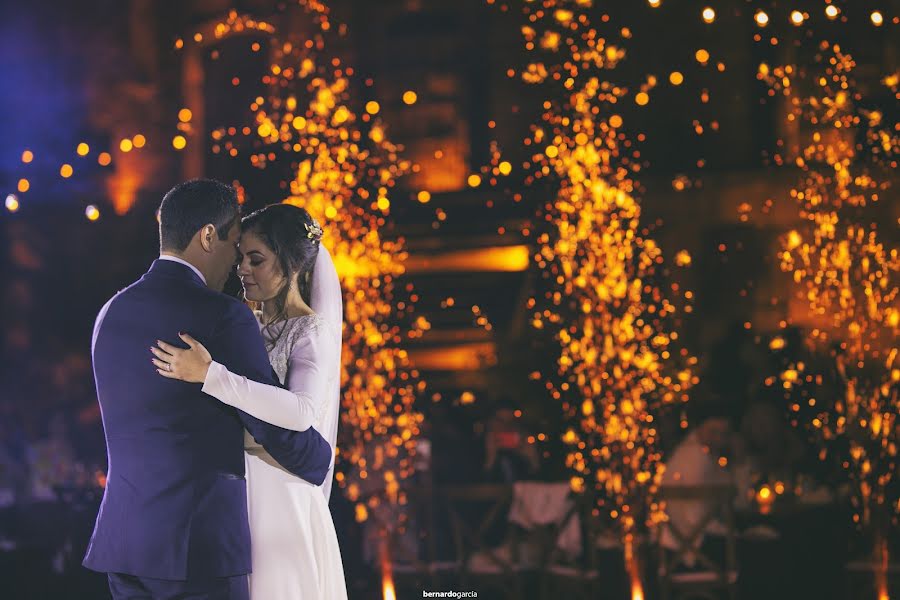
point(313, 231)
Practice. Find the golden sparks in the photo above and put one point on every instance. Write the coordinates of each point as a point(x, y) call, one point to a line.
point(846, 279)
point(619, 362)
point(338, 162)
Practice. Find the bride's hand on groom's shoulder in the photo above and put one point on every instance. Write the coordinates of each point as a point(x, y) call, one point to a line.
point(191, 364)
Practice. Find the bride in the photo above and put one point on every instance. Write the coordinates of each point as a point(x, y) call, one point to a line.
point(285, 269)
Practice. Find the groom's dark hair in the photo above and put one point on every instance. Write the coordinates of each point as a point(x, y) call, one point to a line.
point(189, 206)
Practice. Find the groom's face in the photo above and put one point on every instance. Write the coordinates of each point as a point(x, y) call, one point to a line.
point(224, 256)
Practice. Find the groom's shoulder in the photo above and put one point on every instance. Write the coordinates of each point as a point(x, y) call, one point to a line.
point(220, 306)
point(170, 292)
point(233, 309)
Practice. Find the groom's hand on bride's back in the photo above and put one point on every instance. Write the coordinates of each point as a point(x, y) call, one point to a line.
point(237, 344)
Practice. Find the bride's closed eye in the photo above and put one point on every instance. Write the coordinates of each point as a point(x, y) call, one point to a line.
point(256, 258)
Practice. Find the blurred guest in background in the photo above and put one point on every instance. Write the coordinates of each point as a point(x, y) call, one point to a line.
point(508, 455)
point(52, 461)
point(772, 445)
point(13, 468)
point(695, 462)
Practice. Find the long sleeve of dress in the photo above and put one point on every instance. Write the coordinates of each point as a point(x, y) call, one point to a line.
point(297, 408)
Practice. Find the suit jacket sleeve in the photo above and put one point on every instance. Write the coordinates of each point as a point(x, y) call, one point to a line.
point(240, 349)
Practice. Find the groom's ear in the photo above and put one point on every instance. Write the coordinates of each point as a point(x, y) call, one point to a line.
point(208, 235)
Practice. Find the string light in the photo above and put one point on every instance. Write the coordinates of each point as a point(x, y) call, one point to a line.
point(82, 149)
point(709, 15)
point(410, 97)
point(797, 17)
point(24, 185)
point(27, 156)
point(877, 18)
point(92, 212)
point(66, 171)
point(761, 18)
point(831, 11)
point(12, 203)
point(126, 145)
point(179, 142)
point(139, 141)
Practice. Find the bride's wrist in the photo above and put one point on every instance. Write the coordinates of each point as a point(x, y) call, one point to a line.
point(205, 371)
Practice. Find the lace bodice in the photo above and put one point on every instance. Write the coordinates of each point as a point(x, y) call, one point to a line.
point(286, 336)
point(297, 352)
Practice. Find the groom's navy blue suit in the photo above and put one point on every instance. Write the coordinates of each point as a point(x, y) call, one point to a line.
point(175, 505)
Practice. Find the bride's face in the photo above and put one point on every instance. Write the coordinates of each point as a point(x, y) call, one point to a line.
point(258, 269)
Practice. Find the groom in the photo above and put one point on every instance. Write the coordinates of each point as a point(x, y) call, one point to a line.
point(173, 522)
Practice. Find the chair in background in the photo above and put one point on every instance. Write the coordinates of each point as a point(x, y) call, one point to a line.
point(711, 577)
point(417, 563)
point(474, 511)
point(572, 579)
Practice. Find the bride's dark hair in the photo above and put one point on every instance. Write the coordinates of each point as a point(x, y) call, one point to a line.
point(293, 236)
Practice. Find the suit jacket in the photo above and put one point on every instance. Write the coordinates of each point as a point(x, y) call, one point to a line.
point(175, 504)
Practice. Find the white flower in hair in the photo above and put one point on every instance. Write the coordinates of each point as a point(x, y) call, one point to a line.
point(313, 231)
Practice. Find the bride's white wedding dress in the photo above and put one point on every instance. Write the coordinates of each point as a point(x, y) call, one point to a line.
point(294, 546)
